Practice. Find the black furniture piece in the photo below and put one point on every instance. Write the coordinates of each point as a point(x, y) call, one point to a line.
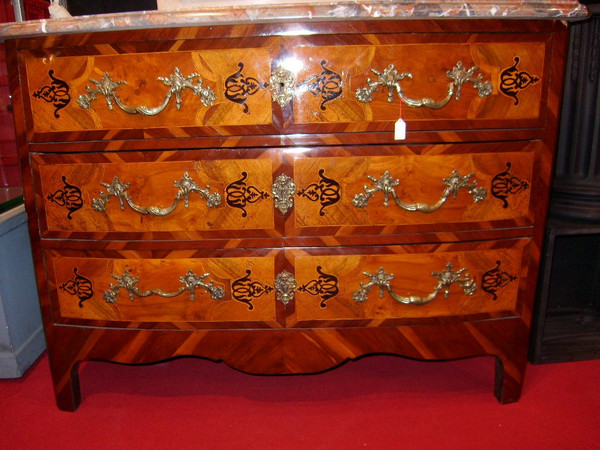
point(567, 318)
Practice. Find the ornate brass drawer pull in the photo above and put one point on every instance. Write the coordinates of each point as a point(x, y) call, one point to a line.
point(177, 82)
point(186, 186)
point(386, 184)
point(190, 282)
point(390, 79)
point(446, 278)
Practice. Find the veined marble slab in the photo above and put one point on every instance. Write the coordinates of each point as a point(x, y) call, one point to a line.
point(214, 12)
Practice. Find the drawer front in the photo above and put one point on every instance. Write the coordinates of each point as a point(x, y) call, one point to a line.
point(84, 196)
point(350, 286)
point(388, 190)
point(395, 285)
point(450, 82)
point(451, 186)
point(171, 90)
point(221, 292)
point(287, 85)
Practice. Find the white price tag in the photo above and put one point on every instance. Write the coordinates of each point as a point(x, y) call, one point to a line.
point(400, 130)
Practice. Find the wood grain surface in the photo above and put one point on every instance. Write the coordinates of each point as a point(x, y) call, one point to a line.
point(333, 147)
point(426, 56)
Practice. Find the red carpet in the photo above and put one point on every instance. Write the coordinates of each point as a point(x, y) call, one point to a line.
point(379, 402)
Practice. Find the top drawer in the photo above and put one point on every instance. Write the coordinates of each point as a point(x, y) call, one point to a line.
point(286, 85)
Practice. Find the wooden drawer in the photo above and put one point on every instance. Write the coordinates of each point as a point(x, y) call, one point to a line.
point(501, 82)
point(461, 186)
point(66, 92)
point(320, 287)
point(414, 192)
point(135, 287)
point(286, 85)
point(225, 198)
point(395, 285)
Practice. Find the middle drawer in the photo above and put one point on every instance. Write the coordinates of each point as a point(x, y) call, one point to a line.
point(284, 192)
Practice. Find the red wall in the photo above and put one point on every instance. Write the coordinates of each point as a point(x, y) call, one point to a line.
point(9, 165)
point(9, 168)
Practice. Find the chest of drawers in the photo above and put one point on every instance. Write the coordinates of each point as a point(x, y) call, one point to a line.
point(238, 193)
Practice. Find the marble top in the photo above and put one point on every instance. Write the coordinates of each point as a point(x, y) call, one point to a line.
point(214, 12)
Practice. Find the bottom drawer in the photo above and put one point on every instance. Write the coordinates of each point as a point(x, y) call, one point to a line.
point(139, 287)
point(294, 287)
point(398, 285)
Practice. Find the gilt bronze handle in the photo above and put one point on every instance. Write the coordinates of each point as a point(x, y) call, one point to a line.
point(190, 282)
point(445, 278)
point(186, 187)
point(390, 78)
point(386, 185)
point(176, 82)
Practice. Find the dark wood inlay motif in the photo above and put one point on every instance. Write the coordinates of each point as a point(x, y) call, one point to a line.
point(494, 279)
point(326, 191)
point(80, 286)
point(57, 93)
point(238, 87)
point(328, 84)
point(325, 287)
point(239, 194)
point(505, 184)
point(513, 81)
point(245, 289)
point(69, 197)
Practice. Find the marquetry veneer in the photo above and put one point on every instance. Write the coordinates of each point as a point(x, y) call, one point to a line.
point(237, 193)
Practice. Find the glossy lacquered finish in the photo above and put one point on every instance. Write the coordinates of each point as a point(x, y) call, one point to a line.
point(328, 180)
point(326, 282)
point(241, 197)
point(238, 72)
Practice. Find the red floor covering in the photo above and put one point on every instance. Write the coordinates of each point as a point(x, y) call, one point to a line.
point(379, 402)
